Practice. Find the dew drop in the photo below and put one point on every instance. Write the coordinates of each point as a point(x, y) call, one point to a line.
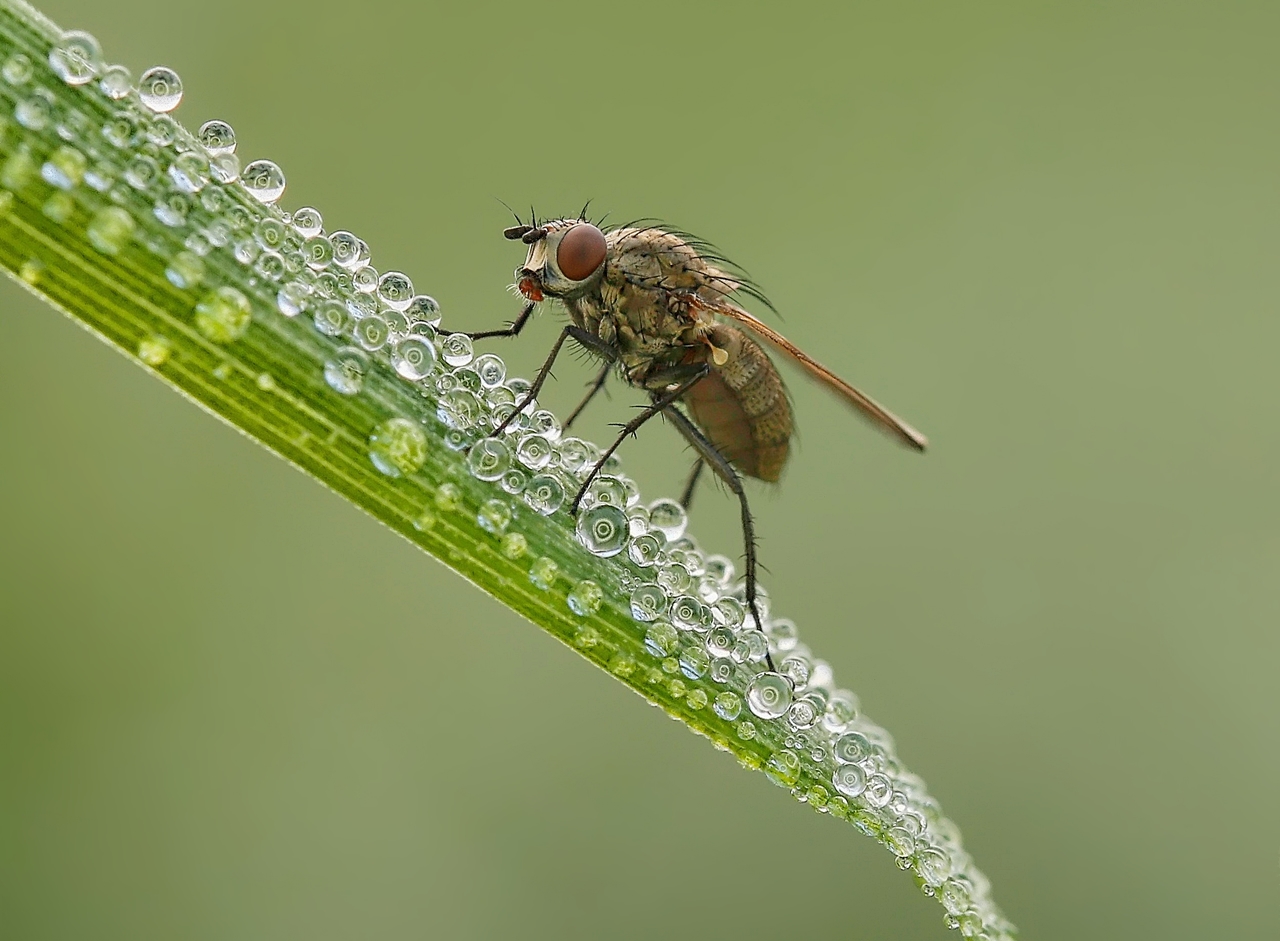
point(116, 82)
point(395, 290)
point(489, 459)
point(345, 370)
point(933, 866)
point(155, 350)
point(694, 663)
point(514, 545)
point(648, 603)
point(160, 88)
point(696, 699)
point(223, 315)
point(31, 271)
point(217, 137)
point(346, 249)
point(398, 446)
point(423, 309)
point(543, 572)
point(491, 369)
point(661, 639)
point(544, 494)
point(879, 789)
point(534, 452)
point(605, 489)
point(76, 57)
point(17, 69)
point(456, 349)
point(225, 168)
point(783, 767)
point(414, 358)
point(690, 614)
point(365, 281)
point(162, 131)
point(264, 181)
point(585, 598)
point(110, 230)
point(185, 270)
point(308, 222)
point(318, 252)
point(35, 111)
point(603, 530)
point(727, 706)
point(644, 550)
point(494, 516)
point(142, 172)
point(372, 333)
point(293, 298)
point(668, 517)
point(64, 168)
point(746, 730)
point(769, 695)
point(189, 172)
point(331, 318)
point(849, 780)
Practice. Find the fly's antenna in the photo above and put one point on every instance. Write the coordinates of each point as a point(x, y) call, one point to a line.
point(519, 221)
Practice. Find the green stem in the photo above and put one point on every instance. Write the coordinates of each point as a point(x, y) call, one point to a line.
point(166, 266)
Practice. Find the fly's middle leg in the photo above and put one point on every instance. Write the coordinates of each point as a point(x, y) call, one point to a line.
point(596, 385)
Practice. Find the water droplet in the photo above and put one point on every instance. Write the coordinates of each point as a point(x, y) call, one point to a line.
point(648, 603)
point(395, 290)
point(585, 598)
point(225, 168)
point(603, 530)
point(783, 767)
point(533, 451)
point(346, 249)
point(110, 230)
point(17, 69)
point(644, 550)
point(728, 706)
point(160, 88)
point(345, 370)
point(544, 494)
point(675, 579)
point(879, 789)
point(31, 271)
point(782, 635)
point(293, 298)
point(423, 309)
point(769, 695)
point(162, 131)
point(217, 137)
point(694, 662)
point(933, 866)
point(543, 572)
point(76, 57)
point(456, 350)
point(668, 517)
point(842, 709)
point(802, 714)
point(185, 270)
point(331, 318)
point(746, 730)
point(116, 82)
point(661, 639)
point(494, 516)
point(155, 350)
point(414, 358)
point(35, 111)
point(318, 252)
point(223, 315)
point(264, 181)
point(514, 481)
point(64, 168)
point(398, 446)
point(489, 459)
point(372, 333)
point(365, 281)
point(849, 780)
point(172, 209)
point(605, 489)
point(690, 614)
point(720, 642)
point(142, 172)
point(491, 369)
point(514, 545)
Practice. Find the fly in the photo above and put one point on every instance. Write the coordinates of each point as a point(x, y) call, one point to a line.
point(657, 305)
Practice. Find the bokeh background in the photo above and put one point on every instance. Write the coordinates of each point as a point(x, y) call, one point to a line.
point(231, 706)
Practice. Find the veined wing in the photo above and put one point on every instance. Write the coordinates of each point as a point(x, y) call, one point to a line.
point(867, 406)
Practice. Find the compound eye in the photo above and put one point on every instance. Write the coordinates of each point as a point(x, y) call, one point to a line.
point(581, 251)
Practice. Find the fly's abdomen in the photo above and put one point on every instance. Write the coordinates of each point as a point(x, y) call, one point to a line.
point(742, 406)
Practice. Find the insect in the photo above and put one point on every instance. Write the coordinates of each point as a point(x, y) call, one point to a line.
point(657, 306)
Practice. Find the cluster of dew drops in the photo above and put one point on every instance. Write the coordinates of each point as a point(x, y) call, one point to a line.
point(690, 605)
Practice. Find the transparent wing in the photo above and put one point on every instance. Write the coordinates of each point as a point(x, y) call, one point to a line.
point(867, 406)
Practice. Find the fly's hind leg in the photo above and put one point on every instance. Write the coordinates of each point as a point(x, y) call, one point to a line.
point(711, 455)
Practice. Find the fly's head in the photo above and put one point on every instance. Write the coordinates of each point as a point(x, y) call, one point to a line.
point(566, 258)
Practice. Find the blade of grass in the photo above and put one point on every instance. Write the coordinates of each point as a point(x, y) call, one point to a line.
point(138, 230)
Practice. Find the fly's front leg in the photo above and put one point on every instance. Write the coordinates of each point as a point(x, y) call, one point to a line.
point(592, 343)
point(512, 330)
point(660, 402)
point(724, 470)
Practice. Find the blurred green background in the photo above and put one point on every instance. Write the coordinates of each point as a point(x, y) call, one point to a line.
point(231, 706)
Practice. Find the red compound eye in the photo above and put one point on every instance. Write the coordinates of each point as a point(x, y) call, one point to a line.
point(581, 251)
